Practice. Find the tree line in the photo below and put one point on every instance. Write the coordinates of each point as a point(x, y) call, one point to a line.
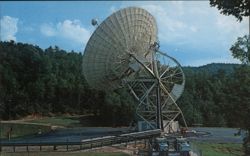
point(50, 81)
point(218, 98)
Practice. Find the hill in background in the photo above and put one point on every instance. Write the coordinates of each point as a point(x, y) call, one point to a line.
point(212, 68)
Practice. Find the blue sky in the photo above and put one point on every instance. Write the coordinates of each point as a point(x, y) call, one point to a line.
point(191, 31)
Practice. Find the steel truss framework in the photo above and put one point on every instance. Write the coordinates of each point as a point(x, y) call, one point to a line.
point(156, 87)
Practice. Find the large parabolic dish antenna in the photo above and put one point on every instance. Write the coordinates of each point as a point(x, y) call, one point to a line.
point(124, 51)
point(106, 58)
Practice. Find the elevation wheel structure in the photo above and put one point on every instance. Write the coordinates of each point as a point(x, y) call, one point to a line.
point(156, 87)
point(172, 83)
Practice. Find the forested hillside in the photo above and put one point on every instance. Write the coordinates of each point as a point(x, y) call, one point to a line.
point(213, 68)
point(217, 95)
point(50, 81)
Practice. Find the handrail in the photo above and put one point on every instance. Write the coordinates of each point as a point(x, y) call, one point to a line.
point(93, 142)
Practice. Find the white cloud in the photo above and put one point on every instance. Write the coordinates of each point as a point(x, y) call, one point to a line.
point(170, 29)
point(193, 26)
point(173, 20)
point(179, 21)
point(71, 30)
point(229, 26)
point(9, 28)
point(48, 30)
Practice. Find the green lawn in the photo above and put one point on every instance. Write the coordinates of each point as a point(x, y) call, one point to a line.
point(21, 129)
point(216, 149)
point(64, 154)
point(30, 127)
point(59, 121)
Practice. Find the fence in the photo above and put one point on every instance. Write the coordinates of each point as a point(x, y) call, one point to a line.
point(84, 144)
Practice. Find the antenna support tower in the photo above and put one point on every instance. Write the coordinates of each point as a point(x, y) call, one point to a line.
point(124, 51)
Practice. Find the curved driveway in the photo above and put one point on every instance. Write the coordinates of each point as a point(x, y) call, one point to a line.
point(70, 134)
point(216, 135)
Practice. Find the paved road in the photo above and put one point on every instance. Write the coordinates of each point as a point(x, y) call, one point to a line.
point(218, 135)
point(71, 134)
